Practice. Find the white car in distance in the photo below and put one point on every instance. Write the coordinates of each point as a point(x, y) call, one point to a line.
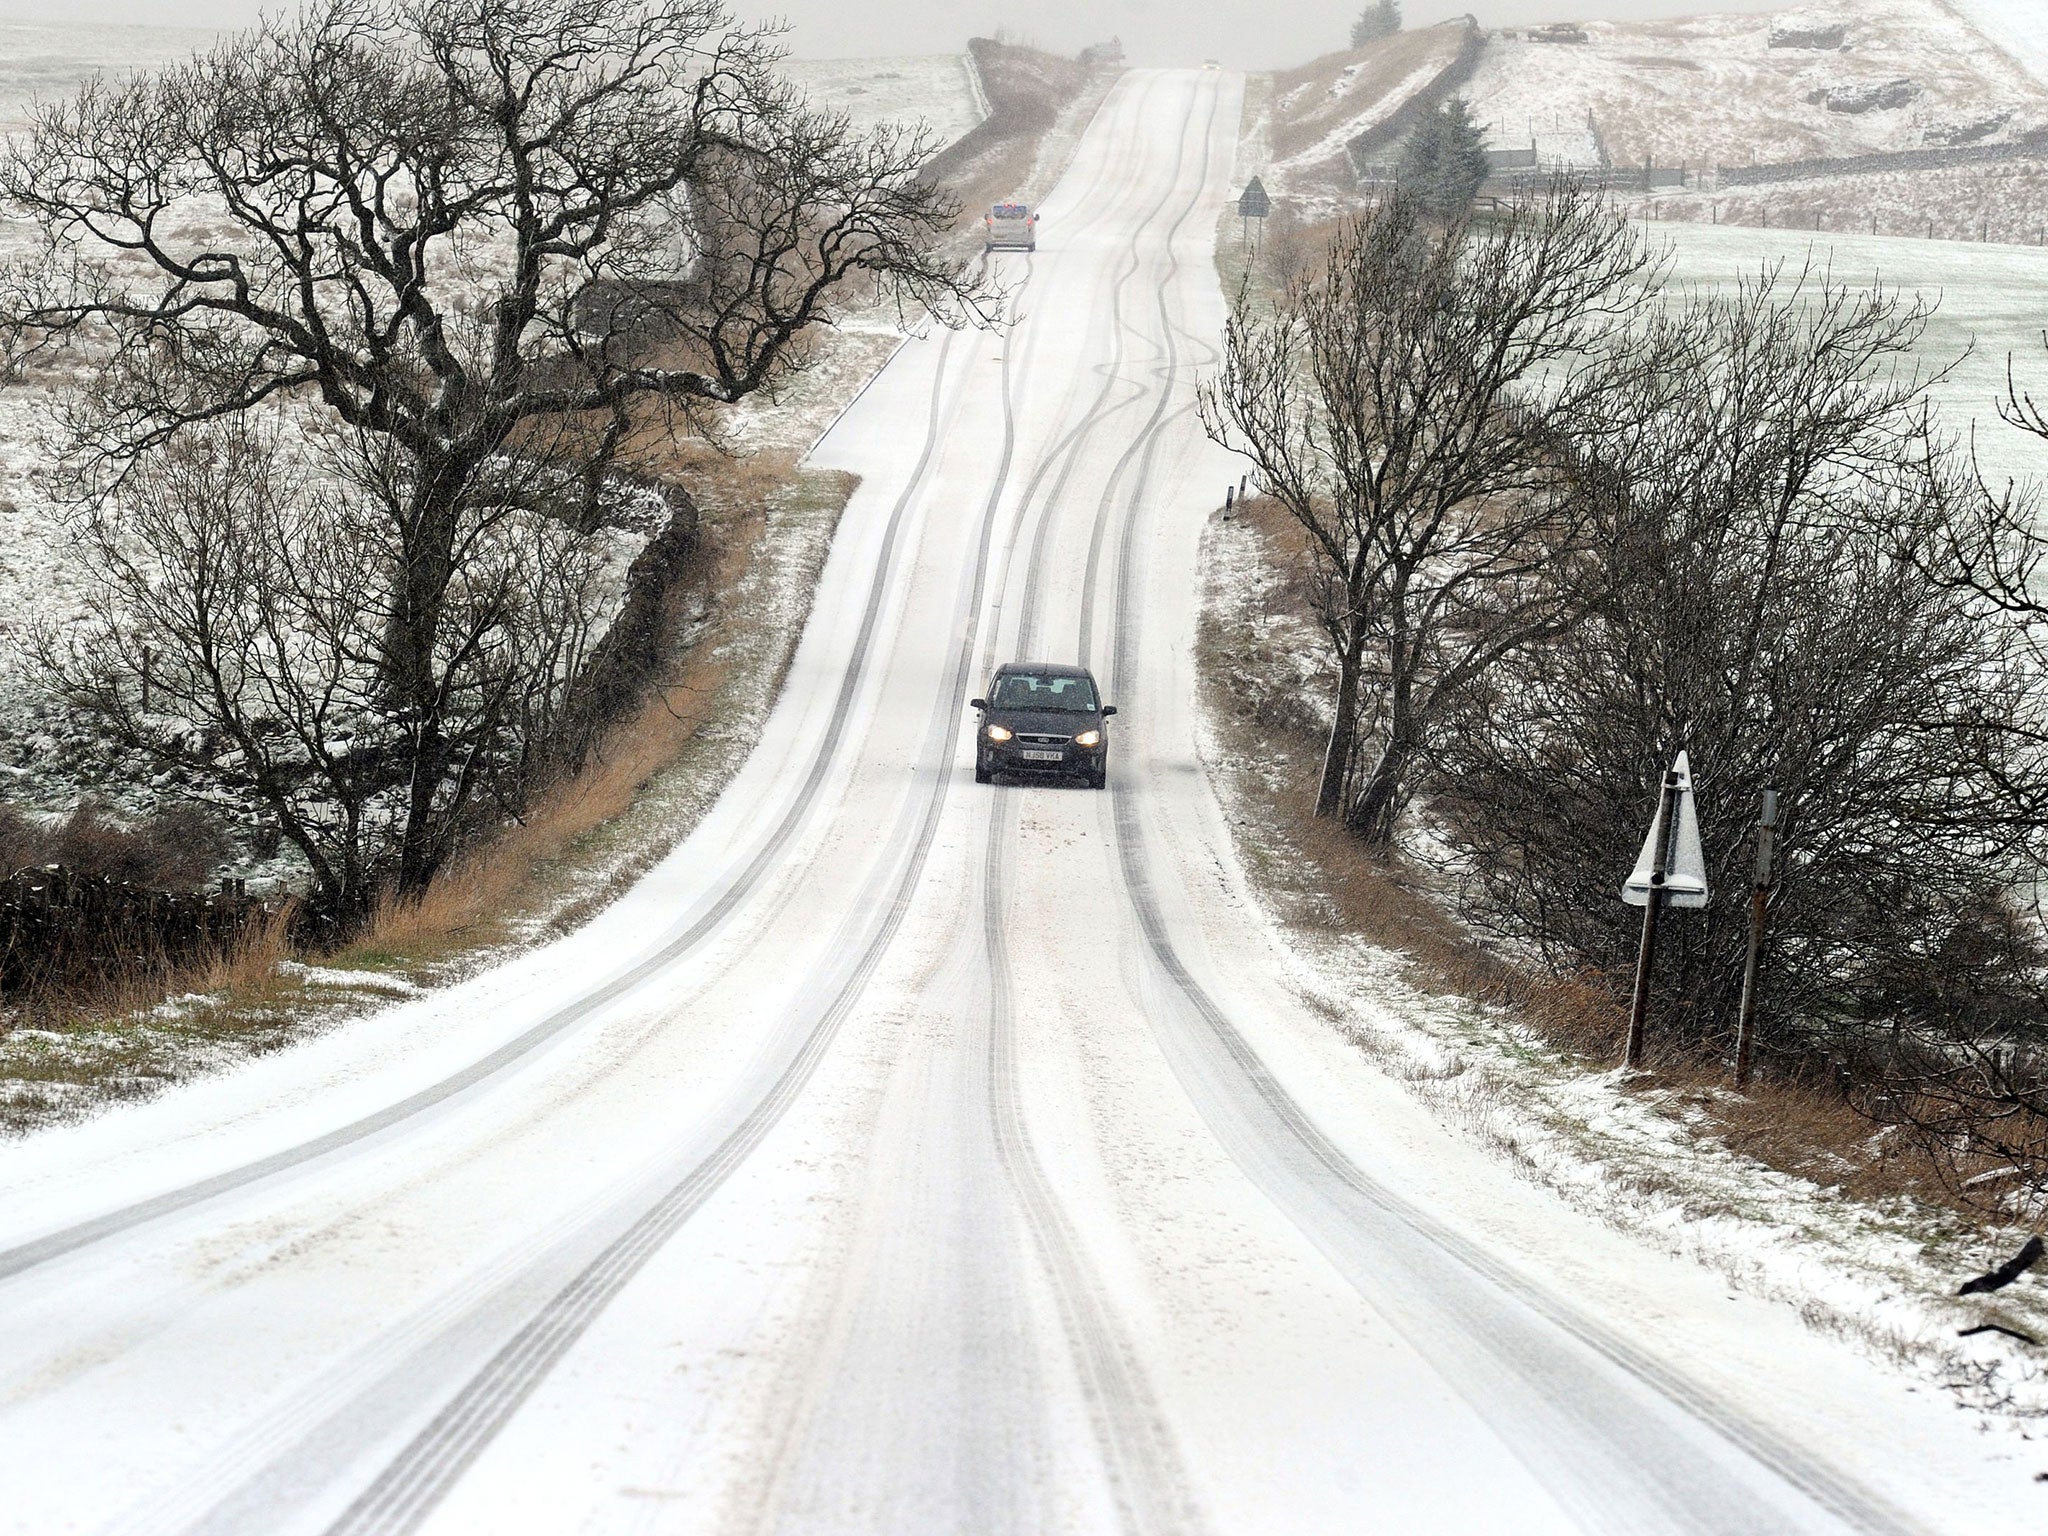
point(1011, 227)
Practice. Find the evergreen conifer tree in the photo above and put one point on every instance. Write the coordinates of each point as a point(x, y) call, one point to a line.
point(1380, 19)
point(1444, 162)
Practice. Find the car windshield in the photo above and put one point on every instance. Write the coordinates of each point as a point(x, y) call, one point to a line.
point(1021, 690)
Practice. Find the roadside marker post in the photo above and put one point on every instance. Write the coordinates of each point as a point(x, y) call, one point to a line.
point(1670, 871)
point(1759, 908)
point(1253, 203)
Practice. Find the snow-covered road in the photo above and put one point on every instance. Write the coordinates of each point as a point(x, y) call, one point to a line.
point(907, 1156)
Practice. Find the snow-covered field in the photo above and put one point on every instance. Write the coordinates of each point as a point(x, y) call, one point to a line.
point(1993, 301)
point(2003, 201)
point(49, 59)
point(936, 91)
point(1710, 90)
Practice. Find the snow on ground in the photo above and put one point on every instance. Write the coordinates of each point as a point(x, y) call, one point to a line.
point(936, 91)
point(1710, 90)
point(2018, 26)
point(1880, 1275)
point(988, 1107)
point(2003, 201)
point(1993, 302)
point(50, 59)
point(1316, 110)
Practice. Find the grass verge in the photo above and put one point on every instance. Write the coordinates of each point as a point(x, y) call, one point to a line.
point(1784, 1190)
point(768, 526)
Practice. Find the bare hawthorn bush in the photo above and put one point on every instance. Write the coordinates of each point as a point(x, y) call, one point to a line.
point(1773, 586)
point(237, 629)
point(465, 242)
point(1963, 1066)
point(1407, 404)
point(174, 850)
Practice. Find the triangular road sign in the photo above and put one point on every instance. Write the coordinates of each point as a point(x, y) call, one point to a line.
point(1685, 880)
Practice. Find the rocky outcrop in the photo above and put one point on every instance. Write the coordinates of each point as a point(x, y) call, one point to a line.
point(1809, 32)
point(1862, 96)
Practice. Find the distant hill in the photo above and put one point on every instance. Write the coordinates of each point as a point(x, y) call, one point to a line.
point(51, 59)
point(1861, 78)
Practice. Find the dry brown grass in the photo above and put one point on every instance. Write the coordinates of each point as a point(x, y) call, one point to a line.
point(475, 901)
point(583, 840)
point(1324, 880)
point(1312, 100)
point(252, 967)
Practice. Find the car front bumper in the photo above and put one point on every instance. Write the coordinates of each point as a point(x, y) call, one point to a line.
point(1008, 757)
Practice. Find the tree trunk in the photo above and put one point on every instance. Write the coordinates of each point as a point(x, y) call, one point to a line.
point(428, 537)
point(1373, 813)
point(1343, 729)
point(1377, 806)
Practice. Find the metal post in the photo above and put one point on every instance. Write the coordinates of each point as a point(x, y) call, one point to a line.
point(1639, 1010)
point(1759, 905)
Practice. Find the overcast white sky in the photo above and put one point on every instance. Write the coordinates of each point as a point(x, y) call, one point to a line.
point(1250, 34)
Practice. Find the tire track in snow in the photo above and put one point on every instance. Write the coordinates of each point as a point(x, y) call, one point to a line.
point(41, 1250)
point(1112, 375)
point(1519, 1354)
point(406, 1491)
point(1141, 1456)
point(1146, 443)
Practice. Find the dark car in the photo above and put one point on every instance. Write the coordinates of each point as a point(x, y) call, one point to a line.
point(1042, 718)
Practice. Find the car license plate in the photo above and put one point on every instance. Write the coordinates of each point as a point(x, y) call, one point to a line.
point(1033, 755)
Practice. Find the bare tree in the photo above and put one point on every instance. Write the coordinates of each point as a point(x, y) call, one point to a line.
point(232, 633)
point(461, 230)
point(1759, 593)
point(1407, 406)
point(1988, 539)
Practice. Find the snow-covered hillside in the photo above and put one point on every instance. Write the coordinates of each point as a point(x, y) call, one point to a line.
point(1715, 90)
point(1320, 109)
point(2020, 27)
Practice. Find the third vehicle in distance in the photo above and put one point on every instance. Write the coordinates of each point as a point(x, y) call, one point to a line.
point(1011, 227)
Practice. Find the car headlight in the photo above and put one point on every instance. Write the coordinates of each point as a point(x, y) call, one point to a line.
point(998, 733)
point(1088, 739)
